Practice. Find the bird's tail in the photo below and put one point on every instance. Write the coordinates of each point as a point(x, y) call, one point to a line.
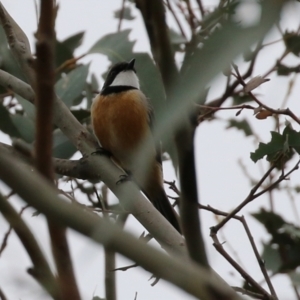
point(161, 202)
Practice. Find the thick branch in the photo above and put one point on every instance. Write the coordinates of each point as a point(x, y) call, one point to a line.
point(41, 195)
point(189, 196)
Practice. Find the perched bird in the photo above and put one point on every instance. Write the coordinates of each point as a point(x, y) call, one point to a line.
point(122, 118)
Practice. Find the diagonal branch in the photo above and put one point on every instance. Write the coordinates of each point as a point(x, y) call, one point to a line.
point(39, 193)
point(41, 270)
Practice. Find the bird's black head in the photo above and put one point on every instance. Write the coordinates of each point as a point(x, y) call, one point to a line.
point(122, 74)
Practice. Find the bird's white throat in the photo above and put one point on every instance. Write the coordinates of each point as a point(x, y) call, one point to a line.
point(127, 78)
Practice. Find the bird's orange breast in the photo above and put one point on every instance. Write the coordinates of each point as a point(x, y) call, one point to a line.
point(120, 121)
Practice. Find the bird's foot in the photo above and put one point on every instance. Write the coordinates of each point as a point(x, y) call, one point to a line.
point(102, 151)
point(124, 178)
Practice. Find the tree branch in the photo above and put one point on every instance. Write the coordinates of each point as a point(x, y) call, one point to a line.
point(41, 270)
point(154, 18)
point(45, 95)
point(37, 192)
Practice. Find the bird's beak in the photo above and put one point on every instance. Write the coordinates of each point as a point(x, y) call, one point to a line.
point(131, 64)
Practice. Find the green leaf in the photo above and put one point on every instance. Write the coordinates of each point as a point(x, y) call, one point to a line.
point(116, 46)
point(81, 114)
point(25, 127)
point(126, 14)
point(62, 147)
point(28, 107)
point(74, 41)
point(283, 70)
point(150, 81)
point(176, 38)
point(7, 60)
point(271, 257)
point(280, 144)
point(272, 222)
point(62, 53)
point(70, 87)
point(6, 124)
point(292, 42)
point(240, 125)
point(282, 252)
point(241, 99)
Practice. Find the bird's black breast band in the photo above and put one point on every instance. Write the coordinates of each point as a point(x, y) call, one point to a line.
point(116, 89)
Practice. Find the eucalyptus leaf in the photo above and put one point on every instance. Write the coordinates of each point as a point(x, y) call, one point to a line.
point(28, 107)
point(74, 41)
point(62, 147)
point(25, 127)
point(70, 87)
point(116, 46)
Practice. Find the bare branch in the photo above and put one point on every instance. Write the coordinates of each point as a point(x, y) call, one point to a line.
point(41, 270)
point(18, 86)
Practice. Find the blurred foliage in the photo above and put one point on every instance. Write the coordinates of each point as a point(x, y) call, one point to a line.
point(281, 253)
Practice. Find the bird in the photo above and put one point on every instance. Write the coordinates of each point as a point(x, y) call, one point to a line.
point(122, 121)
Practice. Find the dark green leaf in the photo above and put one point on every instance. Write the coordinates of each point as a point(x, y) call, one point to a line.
point(81, 114)
point(25, 127)
point(6, 124)
point(150, 81)
point(241, 125)
point(280, 144)
point(62, 147)
point(28, 107)
point(292, 42)
point(284, 70)
point(70, 87)
point(272, 222)
point(74, 41)
point(271, 257)
point(62, 53)
point(176, 38)
point(7, 60)
point(241, 99)
point(116, 46)
point(126, 14)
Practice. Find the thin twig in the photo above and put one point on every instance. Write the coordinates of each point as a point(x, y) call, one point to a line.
point(6, 236)
point(249, 293)
point(175, 18)
point(260, 261)
point(121, 14)
point(286, 111)
point(244, 274)
point(248, 199)
point(250, 237)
